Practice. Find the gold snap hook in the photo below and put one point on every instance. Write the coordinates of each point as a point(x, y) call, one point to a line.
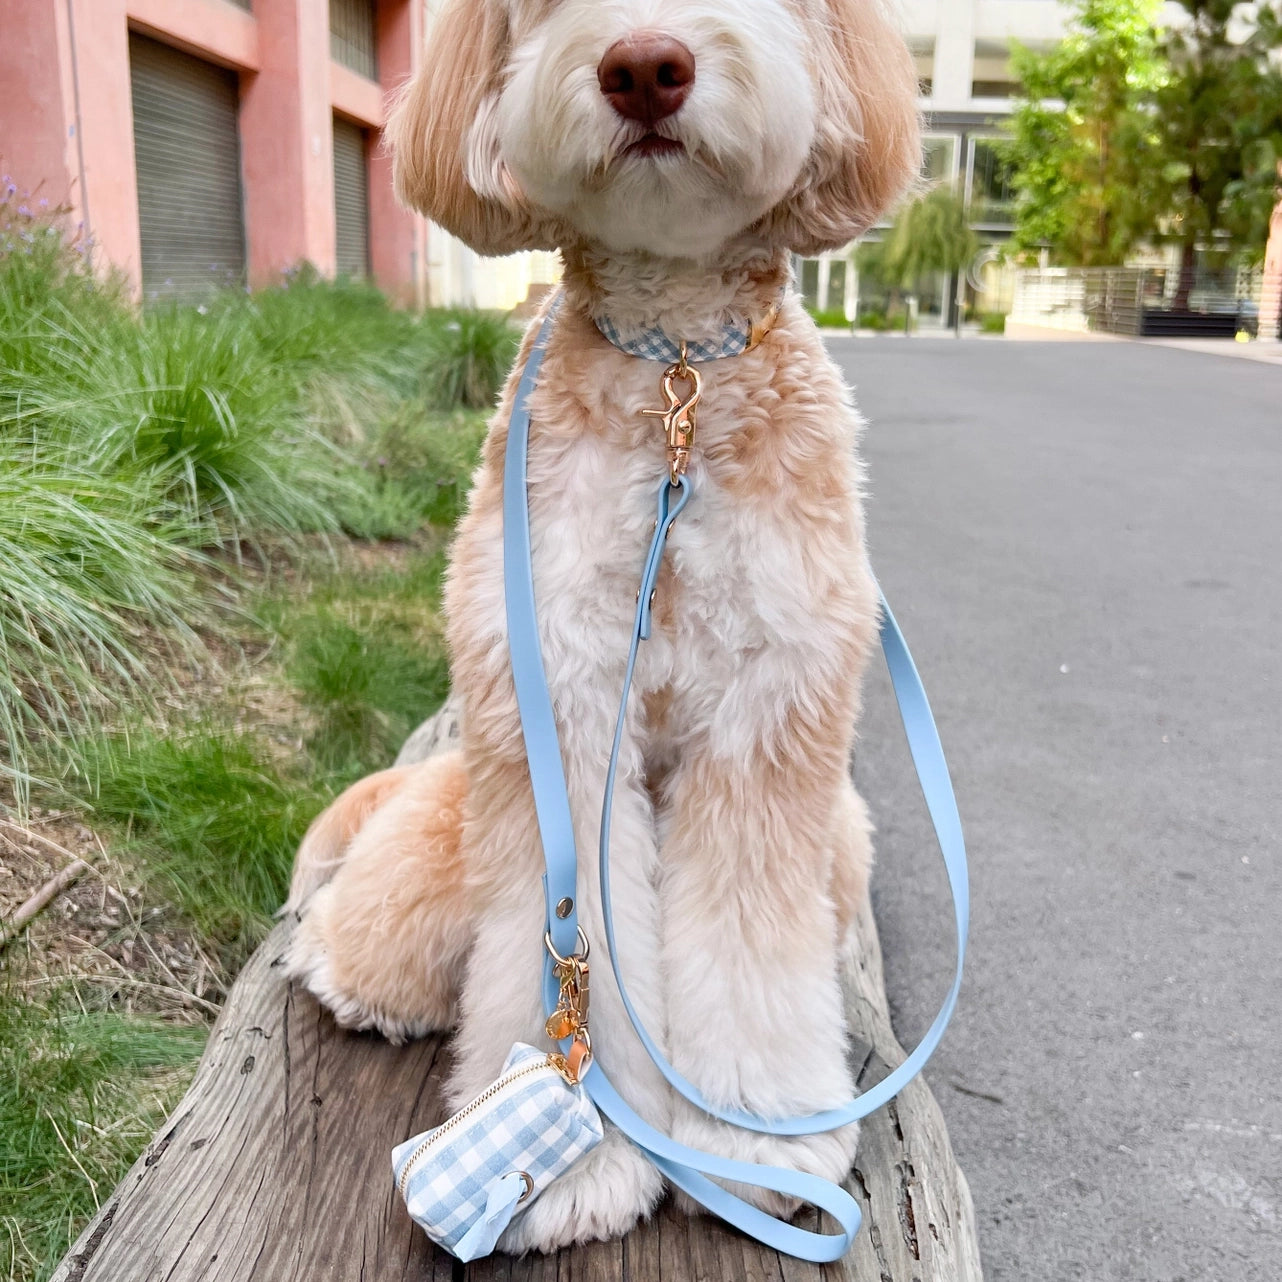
point(679, 417)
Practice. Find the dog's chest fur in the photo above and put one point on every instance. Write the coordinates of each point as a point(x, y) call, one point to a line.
point(764, 587)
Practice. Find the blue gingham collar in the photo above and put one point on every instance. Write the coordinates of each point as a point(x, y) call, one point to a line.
point(656, 344)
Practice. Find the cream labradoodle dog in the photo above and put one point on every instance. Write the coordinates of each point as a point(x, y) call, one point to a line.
point(677, 152)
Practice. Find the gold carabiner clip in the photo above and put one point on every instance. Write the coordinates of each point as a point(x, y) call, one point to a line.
point(679, 417)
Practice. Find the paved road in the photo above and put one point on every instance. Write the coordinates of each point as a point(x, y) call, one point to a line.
point(1084, 543)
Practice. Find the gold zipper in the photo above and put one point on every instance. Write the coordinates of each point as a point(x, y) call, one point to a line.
point(554, 1060)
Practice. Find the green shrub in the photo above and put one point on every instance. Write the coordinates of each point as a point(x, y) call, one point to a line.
point(195, 408)
point(418, 468)
point(366, 656)
point(467, 355)
point(335, 334)
point(872, 320)
point(833, 318)
point(993, 322)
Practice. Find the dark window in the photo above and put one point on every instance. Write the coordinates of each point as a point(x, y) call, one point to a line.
point(991, 194)
point(937, 159)
point(352, 39)
point(187, 153)
point(351, 200)
point(923, 52)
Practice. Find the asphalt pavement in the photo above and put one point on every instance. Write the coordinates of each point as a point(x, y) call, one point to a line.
point(1083, 544)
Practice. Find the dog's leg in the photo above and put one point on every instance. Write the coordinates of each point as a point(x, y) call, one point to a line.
point(325, 844)
point(382, 942)
point(751, 935)
point(612, 1187)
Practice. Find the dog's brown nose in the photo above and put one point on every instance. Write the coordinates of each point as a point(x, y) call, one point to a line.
point(646, 76)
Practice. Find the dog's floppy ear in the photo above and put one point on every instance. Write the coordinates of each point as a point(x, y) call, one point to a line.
point(867, 148)
point(440, 131)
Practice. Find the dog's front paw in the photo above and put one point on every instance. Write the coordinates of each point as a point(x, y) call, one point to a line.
point(829, 1155)
point(600, 1197)
point(315, 960)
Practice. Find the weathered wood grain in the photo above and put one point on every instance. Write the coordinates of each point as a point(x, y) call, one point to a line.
point(276, 1165)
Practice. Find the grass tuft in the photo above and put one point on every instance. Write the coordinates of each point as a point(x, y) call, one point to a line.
point(81, 582)
point(81, 1091)
point(366, 687)
point(210, 817)
point(468, 356)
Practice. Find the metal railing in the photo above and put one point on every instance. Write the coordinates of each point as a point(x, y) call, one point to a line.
point(1145, 301)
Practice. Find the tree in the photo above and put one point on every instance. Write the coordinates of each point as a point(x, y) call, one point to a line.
point(932, 234)
point(1082, 185)
point(1218, 122)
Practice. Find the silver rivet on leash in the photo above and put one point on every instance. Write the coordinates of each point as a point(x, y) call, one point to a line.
point(564, 908)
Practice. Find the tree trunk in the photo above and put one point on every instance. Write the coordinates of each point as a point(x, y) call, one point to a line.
point(1188, 271)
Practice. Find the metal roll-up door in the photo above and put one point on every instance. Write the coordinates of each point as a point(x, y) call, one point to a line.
point(351, 200)
point(187, 149)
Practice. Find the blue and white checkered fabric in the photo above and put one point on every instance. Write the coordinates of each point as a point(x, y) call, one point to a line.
point(536, 1124)
point(655, 345)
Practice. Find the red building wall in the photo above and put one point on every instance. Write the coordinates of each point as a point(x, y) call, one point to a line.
point(66, 122)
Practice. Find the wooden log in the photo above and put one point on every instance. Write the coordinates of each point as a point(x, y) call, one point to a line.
point(276, 1165)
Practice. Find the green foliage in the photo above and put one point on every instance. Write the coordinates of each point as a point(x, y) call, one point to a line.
point(467, 357)
point(1167, 134)
point(81, 582)
point(1218, 129)
point(209, 815)
point(832, 318)
point(993, 322)
point(879, 322)
point(418, 466)
point(81, 1091)
point(195, 408)
point(1079, 169)
point(138, 450)
point(366, 655)
point(932, 234)
point(134, 445)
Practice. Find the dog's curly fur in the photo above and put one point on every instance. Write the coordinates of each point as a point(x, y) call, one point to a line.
point(741, 850)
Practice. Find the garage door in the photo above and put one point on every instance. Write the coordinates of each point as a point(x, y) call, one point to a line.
point(351, 200)
point(187, 149)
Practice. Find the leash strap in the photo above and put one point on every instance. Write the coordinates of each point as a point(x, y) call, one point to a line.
point(686, 1167)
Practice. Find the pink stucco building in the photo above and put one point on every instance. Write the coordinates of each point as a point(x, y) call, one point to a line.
point(215, 140)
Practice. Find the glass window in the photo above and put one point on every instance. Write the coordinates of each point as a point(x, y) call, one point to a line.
point(991, 195)
point(923, 51)
point(992, 76)
point(939, 158)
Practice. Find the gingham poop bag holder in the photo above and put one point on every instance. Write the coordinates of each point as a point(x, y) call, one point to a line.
point(466, 1180)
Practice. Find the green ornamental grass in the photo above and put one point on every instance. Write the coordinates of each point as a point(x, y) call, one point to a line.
point(141, 451)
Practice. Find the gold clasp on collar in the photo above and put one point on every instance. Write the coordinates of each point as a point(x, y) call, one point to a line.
point(678, 418)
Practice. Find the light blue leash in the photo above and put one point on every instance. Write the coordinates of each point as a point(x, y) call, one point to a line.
point(685, 1167)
